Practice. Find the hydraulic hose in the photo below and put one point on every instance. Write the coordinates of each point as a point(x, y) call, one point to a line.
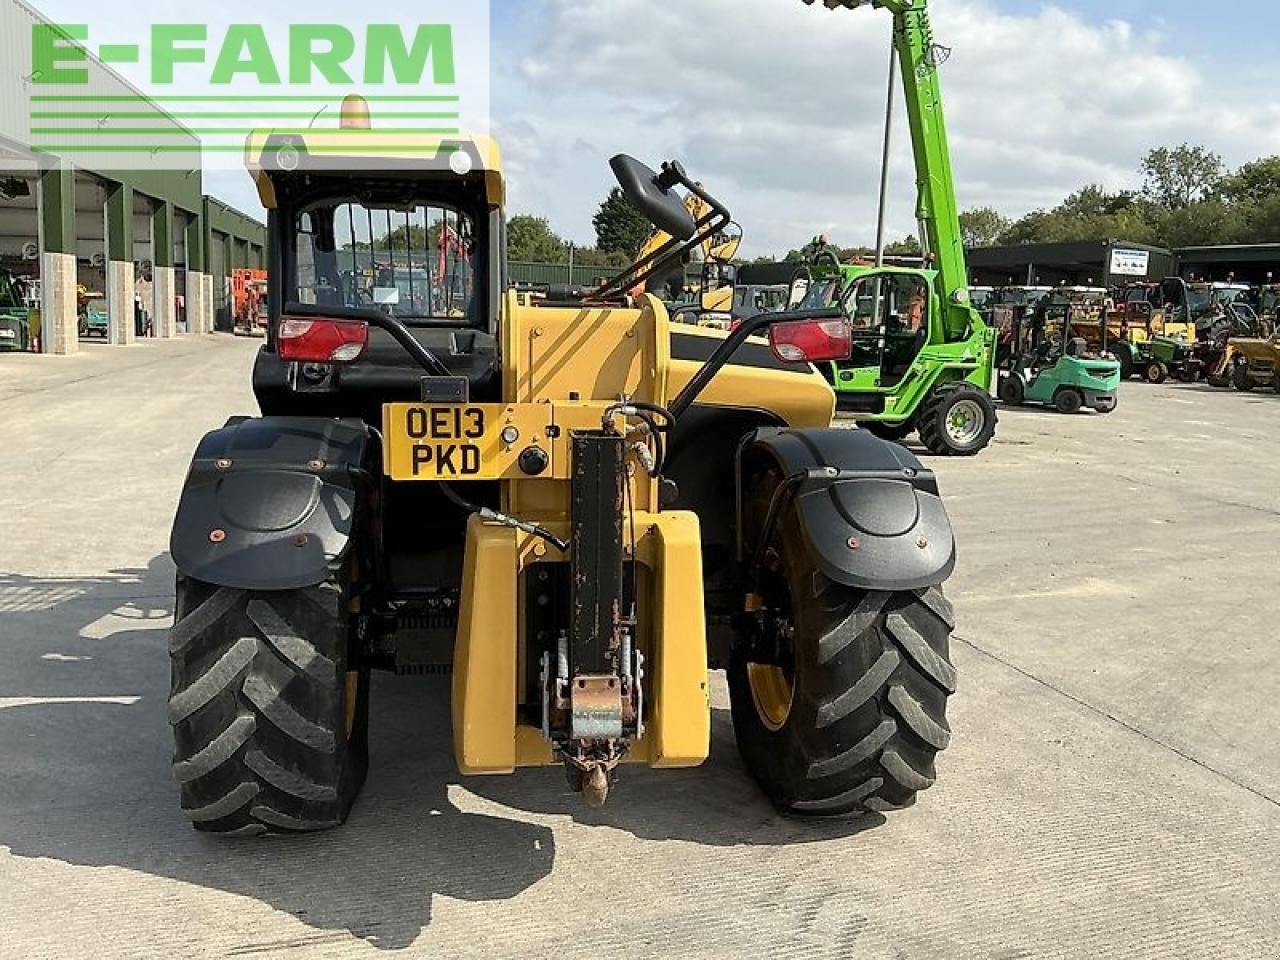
point(487, 513)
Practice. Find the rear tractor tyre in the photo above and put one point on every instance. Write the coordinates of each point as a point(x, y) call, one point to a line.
point(854, 718)
point(1013, 390)
point(1156, 372)
point(893, 432)
point(269, 715)
point(1068, 401)
point(1189, 375)
point(1241, 378)
point(957, 420)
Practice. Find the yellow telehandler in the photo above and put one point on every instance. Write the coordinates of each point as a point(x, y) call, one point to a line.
point(561, 504)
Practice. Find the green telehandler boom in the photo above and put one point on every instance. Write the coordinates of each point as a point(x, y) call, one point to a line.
point(923, 359)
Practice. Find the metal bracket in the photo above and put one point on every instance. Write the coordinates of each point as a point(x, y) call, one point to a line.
point(446, 390)
point(595, 708)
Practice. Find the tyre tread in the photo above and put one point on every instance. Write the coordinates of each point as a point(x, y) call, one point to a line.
point(913, 643)
point(288, 642)
point(258, 710)
point(226, 805)
point(219, 677)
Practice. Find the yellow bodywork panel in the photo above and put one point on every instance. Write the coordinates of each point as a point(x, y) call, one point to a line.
point(585, 353)
point(488, 665)
point(484, 656)
point(801, 399)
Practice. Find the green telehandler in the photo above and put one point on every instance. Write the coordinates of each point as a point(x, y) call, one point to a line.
point(923, 358)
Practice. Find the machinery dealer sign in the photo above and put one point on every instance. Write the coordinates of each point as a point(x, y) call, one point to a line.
point(115, 93)
point(1130, 263)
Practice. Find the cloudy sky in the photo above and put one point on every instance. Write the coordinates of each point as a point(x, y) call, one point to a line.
point(777, 107)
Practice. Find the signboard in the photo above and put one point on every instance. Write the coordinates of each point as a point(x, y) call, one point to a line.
point(1130, 263)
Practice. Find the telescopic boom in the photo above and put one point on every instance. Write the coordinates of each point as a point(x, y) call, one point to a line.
point(936, 207)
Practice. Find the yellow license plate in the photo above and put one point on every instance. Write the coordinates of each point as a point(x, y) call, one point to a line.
point(481, 441)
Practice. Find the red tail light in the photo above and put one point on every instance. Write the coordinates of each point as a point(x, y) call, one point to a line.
point(812, 341)
point(320, 340)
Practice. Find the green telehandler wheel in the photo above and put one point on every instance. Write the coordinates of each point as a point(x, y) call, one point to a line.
point(958, 420)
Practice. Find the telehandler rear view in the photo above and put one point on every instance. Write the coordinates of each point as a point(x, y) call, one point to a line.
point(572, 506)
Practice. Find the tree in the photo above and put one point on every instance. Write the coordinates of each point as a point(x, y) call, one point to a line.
point(1255, 182)
point(620, 227)
point(595, 257)
point(531, 240)
point(908, 246)
point(1177, 177)
point(983, 226)
point(1262, 221)
point(1091, 213)
point(1205, 222)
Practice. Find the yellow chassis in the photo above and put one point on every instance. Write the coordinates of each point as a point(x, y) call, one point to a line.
point(563, 369)
point(488, 657)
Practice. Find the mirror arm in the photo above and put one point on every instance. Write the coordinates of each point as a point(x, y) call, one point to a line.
point(640, 270)
point(715, 221)
point(672, 250)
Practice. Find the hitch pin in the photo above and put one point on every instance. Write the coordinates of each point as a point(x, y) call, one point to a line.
point(626, 656)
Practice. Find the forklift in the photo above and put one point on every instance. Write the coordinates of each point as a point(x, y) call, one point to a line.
point(1046, 365)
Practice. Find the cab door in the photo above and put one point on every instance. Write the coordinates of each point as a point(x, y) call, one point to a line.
point(891, 313)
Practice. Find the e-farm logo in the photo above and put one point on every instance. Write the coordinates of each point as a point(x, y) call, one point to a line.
point(296, 72)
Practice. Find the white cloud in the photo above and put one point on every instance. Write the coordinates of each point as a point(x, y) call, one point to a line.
point(778, 108)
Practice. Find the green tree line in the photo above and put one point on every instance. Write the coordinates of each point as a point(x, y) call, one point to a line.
point(621, 230)
point(1188, 198)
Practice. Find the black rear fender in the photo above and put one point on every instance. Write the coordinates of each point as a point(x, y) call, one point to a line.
point(869, 511)
point(274, 503)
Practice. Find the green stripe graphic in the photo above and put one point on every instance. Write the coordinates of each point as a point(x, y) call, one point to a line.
point(235, 115)
point(228, 98)
point(229, 131)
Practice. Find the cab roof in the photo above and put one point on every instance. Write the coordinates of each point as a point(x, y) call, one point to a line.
point(282, 152)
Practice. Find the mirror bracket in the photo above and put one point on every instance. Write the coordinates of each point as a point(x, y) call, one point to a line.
point(672, 175)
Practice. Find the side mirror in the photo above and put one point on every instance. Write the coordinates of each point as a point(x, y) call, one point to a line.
point(652, 195)
point(725, 246)
point(812, 340)
point(718, 300)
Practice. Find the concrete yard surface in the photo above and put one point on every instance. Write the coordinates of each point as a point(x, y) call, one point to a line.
point(1112, 789)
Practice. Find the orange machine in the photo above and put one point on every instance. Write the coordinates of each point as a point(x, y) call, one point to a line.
point(249, 301)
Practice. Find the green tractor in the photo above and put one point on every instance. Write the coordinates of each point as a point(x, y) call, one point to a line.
point(1047, 365)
